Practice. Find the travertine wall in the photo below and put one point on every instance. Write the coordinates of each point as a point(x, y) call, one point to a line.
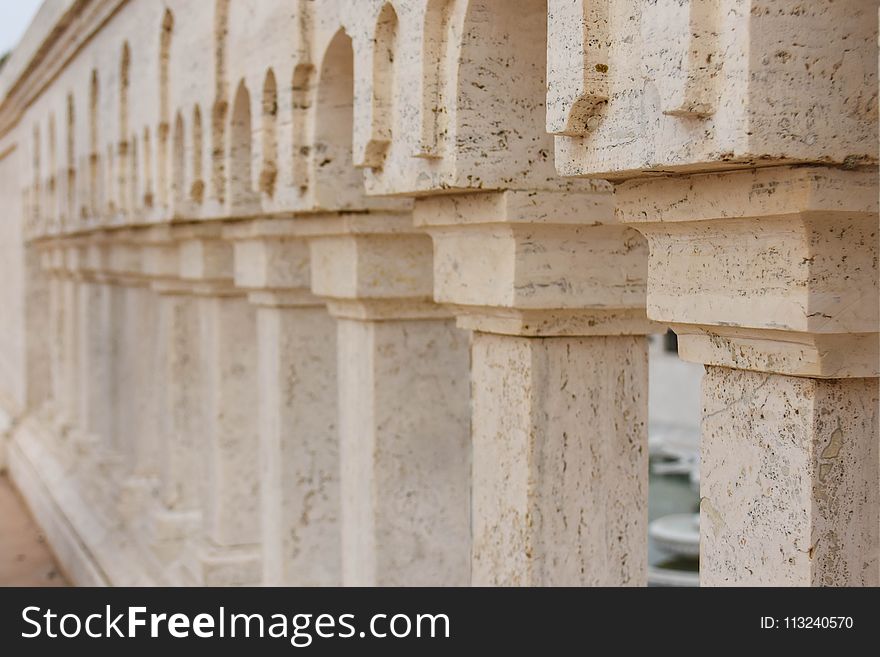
point(357, 292)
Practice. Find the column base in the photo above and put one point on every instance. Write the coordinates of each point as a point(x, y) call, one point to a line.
point(211, 565)
point(91, 546)
point(167, 532)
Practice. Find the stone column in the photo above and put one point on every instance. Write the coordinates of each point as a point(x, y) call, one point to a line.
point(97, 348)
point(226, 549)
point(135, 374)
point(52, 262)
point(69, 325)
point(769, 277)
point(296, 386)
point(176, 416)
point(403, 404)
point(553, 289)
point(745, 148)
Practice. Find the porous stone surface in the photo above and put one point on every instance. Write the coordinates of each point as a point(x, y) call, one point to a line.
point(246, 242)
point(404, 456)
point(692, 85)
point(788, 481)
point(560, 461)
point(299, 452)
point(773, 269)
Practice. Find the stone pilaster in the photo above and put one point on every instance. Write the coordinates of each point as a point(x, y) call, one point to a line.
point(98, 309)
point(553, 289)
point(226, 549)
point(135, 375)
point(296, 386)
point(69, 327)
point(769, 277)
point(403, 403)
point(176, 414)
point(745, 145)
point(52, 260)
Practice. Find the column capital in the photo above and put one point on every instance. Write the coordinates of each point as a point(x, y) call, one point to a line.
point(93, 257)
point(537, 263)
point(72, 257)
point(770, 269)
point(51, 256)
point(124, 264)
point(189, 259)
point(271, 262)
point(371, 266)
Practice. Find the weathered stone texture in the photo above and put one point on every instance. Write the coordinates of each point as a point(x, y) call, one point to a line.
point(789, 478)
point(560, 461)
point(246, 244)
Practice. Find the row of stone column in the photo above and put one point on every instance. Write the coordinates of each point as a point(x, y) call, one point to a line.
point(284, 402)
point(289, 401)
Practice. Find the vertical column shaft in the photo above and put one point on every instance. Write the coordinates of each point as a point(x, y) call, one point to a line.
point(789, 480)
point(404, 454)
point(299, 455)
point(560, 460)
point(229, 549)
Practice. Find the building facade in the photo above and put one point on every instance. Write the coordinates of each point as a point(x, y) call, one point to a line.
point(320, 292)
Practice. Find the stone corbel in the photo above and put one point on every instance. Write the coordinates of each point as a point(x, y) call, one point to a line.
point(537, 264)
point(768, 270)
point(372, 266)
point(553, 288)
point(769, 277)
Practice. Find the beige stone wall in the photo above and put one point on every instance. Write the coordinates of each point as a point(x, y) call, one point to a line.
point(248, 247)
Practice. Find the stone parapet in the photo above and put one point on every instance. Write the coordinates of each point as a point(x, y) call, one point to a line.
point(359, 292)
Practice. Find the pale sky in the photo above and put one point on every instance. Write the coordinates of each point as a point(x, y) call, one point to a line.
point(15, 16)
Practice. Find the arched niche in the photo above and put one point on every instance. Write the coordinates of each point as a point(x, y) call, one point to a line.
point(338, 184)
point(269, 171)
point(500, 135)
point(178, 164)
point(240, 150)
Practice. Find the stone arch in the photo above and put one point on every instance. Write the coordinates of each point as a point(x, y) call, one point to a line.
point(501, 95)
point(37, 187)
point(434, 111)
point(51, 204)
point(178, 162)
point(133, 172)
point(71, 157)
point(302, 87)
point(124, 87)
point(148, 169)
point(165, 36)
point(269, 172)
point(197, 190)
point(94, 150)
point(382, 102)
point(221, 103)
point(218, 150)
point(124, 84)
point(338, 185)
point(240, 148)
point(110, 172)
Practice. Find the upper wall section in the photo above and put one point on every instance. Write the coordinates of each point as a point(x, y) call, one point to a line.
point(137, 111)
point(638, 87)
